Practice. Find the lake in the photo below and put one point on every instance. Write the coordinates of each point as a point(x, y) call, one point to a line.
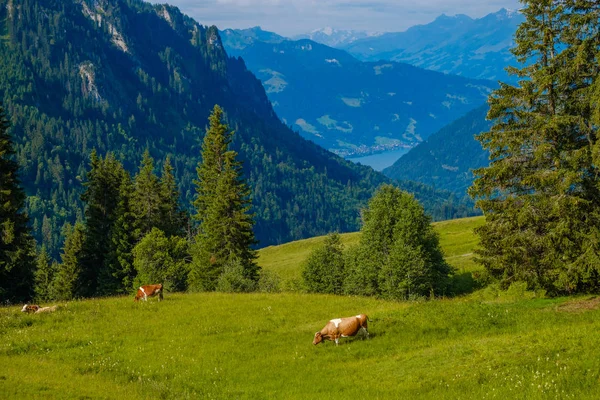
point(381, 160)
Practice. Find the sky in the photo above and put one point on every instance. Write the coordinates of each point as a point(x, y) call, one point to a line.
point(292, 17)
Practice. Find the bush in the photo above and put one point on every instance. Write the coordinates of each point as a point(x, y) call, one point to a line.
point(232, 279)
point(159, 259)
point(269, 282)
point(323, 271)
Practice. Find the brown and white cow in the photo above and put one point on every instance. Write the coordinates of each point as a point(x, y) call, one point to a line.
point(30, 308)
point(149, 291)
point(34, 308)
point(342, 327)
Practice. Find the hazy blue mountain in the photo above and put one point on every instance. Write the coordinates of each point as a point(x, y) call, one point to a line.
point(446, 159)
point(353, 107)
point(336, 37)
point(241, 38)
point(475, 48)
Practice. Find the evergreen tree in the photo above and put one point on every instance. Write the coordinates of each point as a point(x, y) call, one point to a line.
point(67, 273)
point(17, 261)
point(44, 274)
point(173, 220)
point(324, 269)
point(105, 244)
point(222, 206)
point(540, 194)
point(399, 254)
point(123, 236)
point(146, 199)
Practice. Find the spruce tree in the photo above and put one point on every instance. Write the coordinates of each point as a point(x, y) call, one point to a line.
point(44, 275)
point(146, 199)
point(222, 207)
point(66, 276)
point(540, 194)
point(17, 254)
point(173, 220)
point(106, 243)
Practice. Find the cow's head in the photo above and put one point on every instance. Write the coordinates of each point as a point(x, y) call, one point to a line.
point(318, 338)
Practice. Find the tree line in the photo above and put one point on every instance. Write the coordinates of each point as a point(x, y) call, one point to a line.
point(134, 231)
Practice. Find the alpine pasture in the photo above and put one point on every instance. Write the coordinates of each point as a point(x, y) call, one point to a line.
point(486, 344)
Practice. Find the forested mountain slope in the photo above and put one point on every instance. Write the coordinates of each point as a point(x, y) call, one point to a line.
point(124, 75)
point(446, 160)
point(353, 107)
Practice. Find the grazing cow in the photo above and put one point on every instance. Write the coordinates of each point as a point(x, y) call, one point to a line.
point(33, 308)
point(149, 291)
point(30, 308)
point(342, 327)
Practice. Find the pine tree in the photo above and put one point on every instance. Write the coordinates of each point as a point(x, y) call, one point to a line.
point(106, 242)
point(146, 199)
point(66, 276)
point(173, 220)
point(44, 274)
point(222, 206)
point(17, 260)
point(540, 194)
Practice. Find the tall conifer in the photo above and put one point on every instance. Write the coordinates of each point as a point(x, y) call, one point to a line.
point(67, 273)
point(173, 219)
point(223, 207)
point(17, 254)
point(106, 243)
point(146, 200)
point(540, 194)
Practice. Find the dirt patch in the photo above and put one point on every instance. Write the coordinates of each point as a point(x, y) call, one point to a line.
point(578, 306)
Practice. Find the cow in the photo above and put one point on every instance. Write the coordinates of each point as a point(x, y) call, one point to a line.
point(149, 291)
point(34, 308)
point(30, 308)
point(342, 327)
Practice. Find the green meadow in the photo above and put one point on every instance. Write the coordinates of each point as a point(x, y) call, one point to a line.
point(487, 344)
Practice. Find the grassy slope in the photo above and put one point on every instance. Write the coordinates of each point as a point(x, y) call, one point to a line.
point(259, 346)
point(456, 238)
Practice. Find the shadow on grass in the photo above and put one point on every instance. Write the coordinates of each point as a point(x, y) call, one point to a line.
point(463, 283)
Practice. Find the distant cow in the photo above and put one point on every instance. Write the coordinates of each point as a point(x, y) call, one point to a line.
point(34, 308)
point(149, 291)
point(30, 308)
point(342, 327)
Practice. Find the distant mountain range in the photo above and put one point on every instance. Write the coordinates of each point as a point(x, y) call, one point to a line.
point(446, 160)
point(348, 106)
point(336, 37)
point(475, 48)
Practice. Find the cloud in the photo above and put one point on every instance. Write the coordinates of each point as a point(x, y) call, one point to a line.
point(290, 17)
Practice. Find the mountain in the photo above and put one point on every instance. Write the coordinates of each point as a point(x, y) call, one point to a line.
point(241, 38)
point(475, 48)
point(336, 37)
point(353, 107)
point(446, 160)
point(123, 76)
